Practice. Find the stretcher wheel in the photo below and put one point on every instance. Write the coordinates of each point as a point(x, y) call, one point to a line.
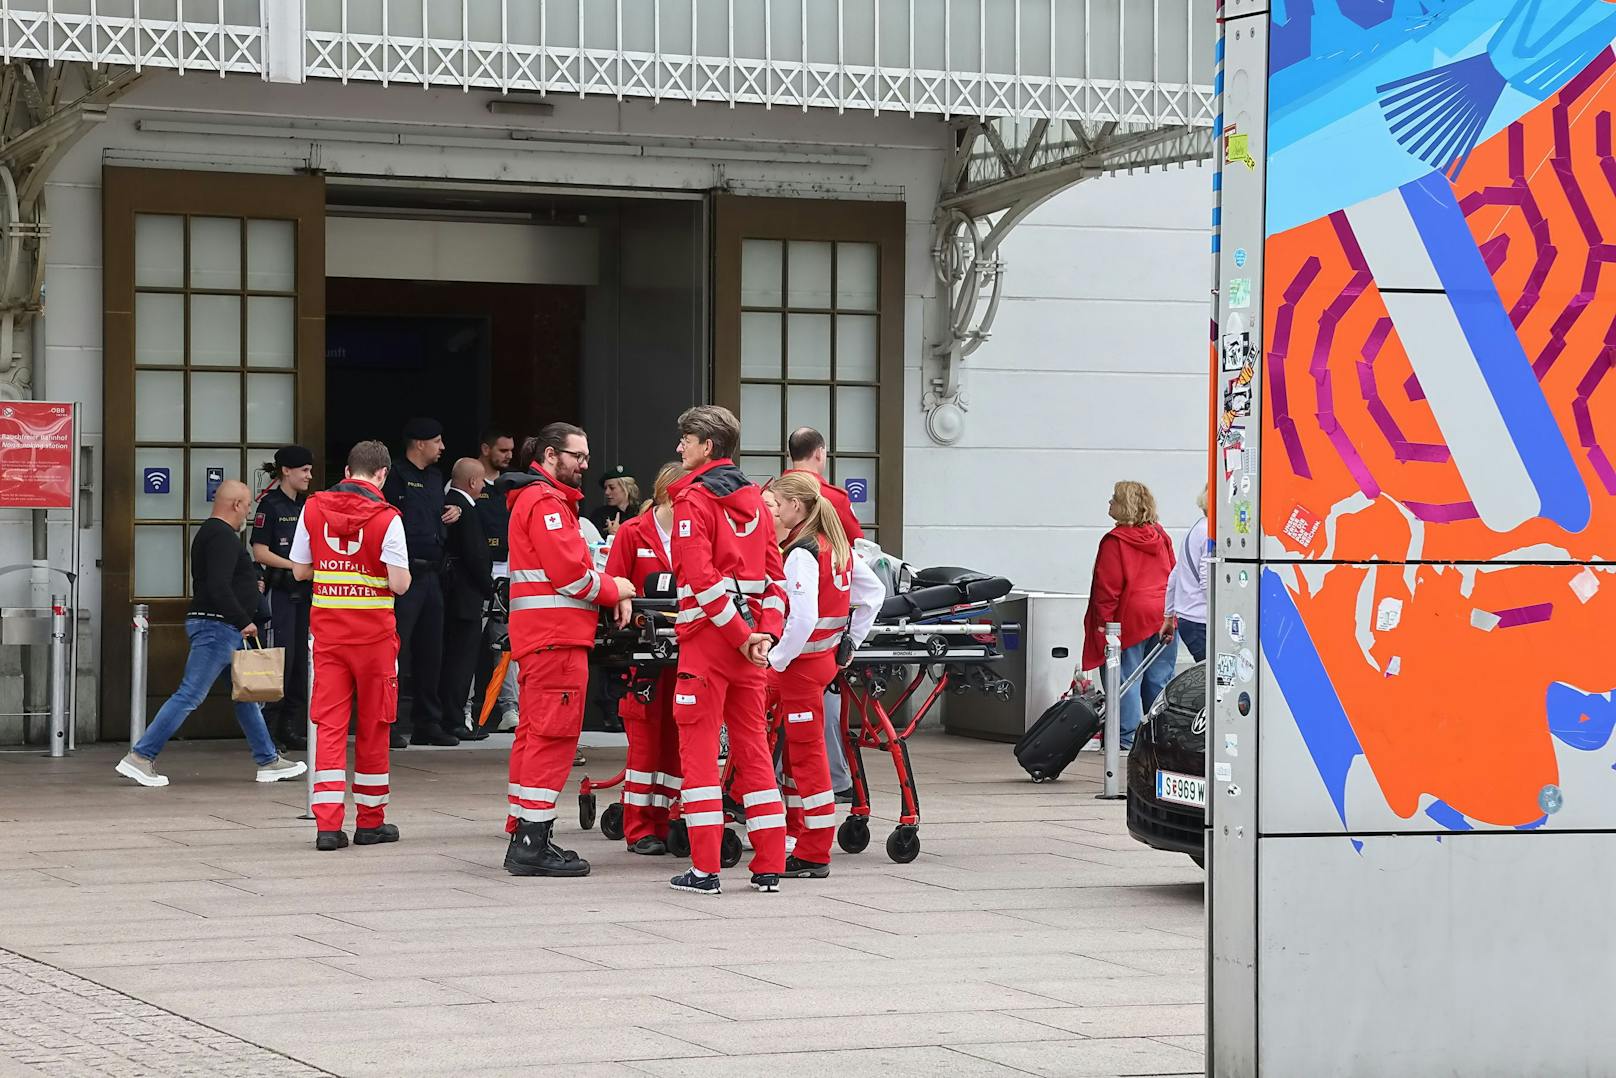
point(611, 822)
point(679, 839)
point(903, 845)
point(662, 648)
point(586, 811)
point(730, 850)
point(853, 836)
point(937, 646)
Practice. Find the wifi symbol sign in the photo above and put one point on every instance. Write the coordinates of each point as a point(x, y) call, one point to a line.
point(155, 481)
point(858, 491)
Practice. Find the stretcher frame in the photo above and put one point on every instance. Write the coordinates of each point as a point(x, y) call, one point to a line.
point(953, 649)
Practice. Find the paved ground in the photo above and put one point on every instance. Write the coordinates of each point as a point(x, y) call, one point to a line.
point(194, 930)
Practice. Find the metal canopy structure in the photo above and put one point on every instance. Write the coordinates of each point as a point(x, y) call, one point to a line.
point(1042, 93)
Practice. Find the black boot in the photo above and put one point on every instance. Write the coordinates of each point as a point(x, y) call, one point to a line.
point(370, 836)
point(532, 853)
point(434, 735)
point(290, 732)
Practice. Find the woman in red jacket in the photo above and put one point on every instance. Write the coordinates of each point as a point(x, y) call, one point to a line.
point(1131, 570)
point(651, 781)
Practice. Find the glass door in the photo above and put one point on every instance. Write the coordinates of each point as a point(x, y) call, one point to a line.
point(809, 333)
point(214, 359)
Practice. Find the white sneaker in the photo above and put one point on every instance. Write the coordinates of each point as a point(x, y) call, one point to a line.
point(142, 770)
point(281, 768)
point(508, 720)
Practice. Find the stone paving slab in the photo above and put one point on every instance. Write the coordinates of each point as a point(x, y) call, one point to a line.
point(1031, 936)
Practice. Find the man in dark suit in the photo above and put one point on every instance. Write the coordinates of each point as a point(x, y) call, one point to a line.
point(468, 583)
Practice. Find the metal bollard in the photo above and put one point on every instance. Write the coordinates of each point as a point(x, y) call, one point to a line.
point(137, 674)
point(308, 720)
point(1112, 680)
point(58, 677)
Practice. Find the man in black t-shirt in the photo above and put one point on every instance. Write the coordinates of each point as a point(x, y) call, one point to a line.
point(224, 596)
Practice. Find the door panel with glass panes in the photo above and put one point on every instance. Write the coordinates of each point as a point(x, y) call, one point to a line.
point(809, 333)
point(214, 338)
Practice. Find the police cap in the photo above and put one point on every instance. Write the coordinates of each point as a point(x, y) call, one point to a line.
point(423, 429)
point(293, 456)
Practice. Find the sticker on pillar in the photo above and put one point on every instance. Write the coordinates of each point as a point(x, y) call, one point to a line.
point(1300, 528)
point(1389, 614)
point(1227, 667)
point(1245, 483)
point(1233, 461)
point(858, 491)
point(1245, 578)
point(1232, 438)
point(1223, 772)
point(1240, 258)
point(155, 481)
point(1236, 625)
point(215, 481)
point(1242, 518)
point(1231, 744)
point(1585, 584)
point(1243, 705)
point(1236, 401)
point(1246, 666)
point(1237, 148)
point(1237, 349)
point(1239, 293)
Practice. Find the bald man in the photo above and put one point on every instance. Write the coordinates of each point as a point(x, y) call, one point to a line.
point(224, 596)
point(468, 583)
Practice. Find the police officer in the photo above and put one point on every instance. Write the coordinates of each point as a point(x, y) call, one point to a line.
point(279, 507)
point(415, 486)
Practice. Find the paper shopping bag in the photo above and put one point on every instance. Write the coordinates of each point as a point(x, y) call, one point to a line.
point(257, 675)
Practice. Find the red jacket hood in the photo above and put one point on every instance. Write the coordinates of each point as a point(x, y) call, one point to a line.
point(351, 505)
point(1145, 538)
point(727, 485)
point(513, 484)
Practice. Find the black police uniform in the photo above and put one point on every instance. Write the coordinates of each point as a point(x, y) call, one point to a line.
point(468, 583)
point(273, 526)
point(418, 494)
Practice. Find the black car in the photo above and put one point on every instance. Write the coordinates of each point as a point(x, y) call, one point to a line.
point(1167, 769)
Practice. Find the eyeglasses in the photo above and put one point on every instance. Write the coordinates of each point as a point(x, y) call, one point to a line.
point(583, 458)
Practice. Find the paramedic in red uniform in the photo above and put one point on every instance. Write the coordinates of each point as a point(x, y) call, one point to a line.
point(556, 596)
point(810, 457)
point(830, 594)
point(642, 553)
point(350, 542)
point(731, 610)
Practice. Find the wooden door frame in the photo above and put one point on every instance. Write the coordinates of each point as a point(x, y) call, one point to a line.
point(742, 217)
point(124, 193)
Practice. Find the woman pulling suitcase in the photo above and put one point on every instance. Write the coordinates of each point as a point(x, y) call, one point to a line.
point(831, 594)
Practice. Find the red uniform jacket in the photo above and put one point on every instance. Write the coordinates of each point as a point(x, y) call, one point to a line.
point(1130, 586)
point(723, 553)
point(637, 553)
point(839, 501)
point(556, 593)
point(352, 602)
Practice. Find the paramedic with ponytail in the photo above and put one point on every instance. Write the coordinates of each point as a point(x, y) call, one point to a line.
point(642, 552)
point(830, 594)
point(731, 611)
point(350, 543)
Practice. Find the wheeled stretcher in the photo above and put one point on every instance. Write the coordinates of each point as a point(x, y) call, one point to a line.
point(939, 634)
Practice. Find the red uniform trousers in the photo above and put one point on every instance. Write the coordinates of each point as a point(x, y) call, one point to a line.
point(341, 671)
point(718, 686)
point(552, 683)
point(798, 694)
point(651, 779)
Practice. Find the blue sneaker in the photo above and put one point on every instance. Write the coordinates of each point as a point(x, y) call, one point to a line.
point(697, 885)
point(767, 882)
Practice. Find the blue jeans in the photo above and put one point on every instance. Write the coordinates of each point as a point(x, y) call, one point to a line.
point(1193, 636)
point(212, 644)
point(1148, 687)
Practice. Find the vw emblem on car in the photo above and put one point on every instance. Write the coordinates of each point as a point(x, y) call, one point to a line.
point(1199, 726)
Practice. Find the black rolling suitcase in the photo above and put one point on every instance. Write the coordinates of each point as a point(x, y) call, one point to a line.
point(1060, 734)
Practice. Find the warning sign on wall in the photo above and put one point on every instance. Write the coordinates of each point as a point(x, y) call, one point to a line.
point(36, 455)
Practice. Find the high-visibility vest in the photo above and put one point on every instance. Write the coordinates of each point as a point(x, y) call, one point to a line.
point(835, 600)
point(351, 602)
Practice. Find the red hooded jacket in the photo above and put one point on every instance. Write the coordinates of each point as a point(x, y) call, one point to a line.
point(352, 602)
point(556, 593)
point(724, 553)
point(1130, 586)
